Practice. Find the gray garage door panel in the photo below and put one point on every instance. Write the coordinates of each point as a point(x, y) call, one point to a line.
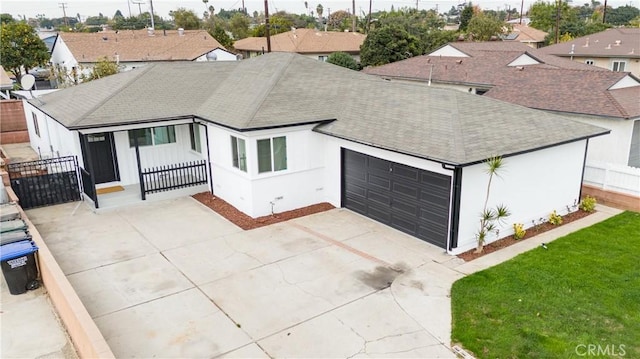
point(409, 199)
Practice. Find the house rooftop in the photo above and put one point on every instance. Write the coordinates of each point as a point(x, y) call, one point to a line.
point(304, 41)
point(5, 80)
point(526, 34)
point(521, 75)
point(274, 90)
point(139, 45)
point(617, 42)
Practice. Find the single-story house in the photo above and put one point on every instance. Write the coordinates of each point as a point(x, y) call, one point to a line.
point(515, 73)
point(616, 49)
point(308, 42)
point(407, 155)
point(526, 34)
point(135, 48)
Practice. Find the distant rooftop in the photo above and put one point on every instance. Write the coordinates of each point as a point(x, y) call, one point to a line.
point(618, 42)
point(305, 41)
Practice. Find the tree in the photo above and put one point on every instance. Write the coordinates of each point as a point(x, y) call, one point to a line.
point(277, 24)
point(221, 36)
point(102, 68)
point(343, 59)
point(6, 18)
point(239, 26)
point(319, 11)
point(388, 44)
point(339, 20)
point(186, 19)
point(465, 17)
point(543, 15)
point(622, 15)
point(437, 38)
point(490, 217)
point(20, 47)
point(483, 28)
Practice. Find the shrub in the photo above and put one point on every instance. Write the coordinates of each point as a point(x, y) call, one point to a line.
point(588, 204)
point(555, 218)
point(518, 231)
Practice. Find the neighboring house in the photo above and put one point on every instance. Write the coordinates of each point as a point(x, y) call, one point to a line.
point(6, 83)
point(515, 73)
point(614, 49)
point(406, 155)
point(527, 35)
point(134, 48)
point(308, 42)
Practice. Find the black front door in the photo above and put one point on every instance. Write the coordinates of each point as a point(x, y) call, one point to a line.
point(99, 153)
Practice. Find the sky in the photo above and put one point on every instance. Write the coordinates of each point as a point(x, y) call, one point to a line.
point(53, 8)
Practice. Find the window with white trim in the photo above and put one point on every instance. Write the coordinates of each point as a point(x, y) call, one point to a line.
point(238, 153)
point(272, 154)
point(589, 62)
point(323, 58)
point(152, 136)
point(36, 126)
point(194, 137)
point(618, 66)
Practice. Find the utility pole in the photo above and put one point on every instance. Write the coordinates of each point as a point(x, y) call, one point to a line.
point(604, 12)
point(353, 15)
point(63, 5)
point(369, 20)
point(508, 7)
point(266, 24)
point(129, 5)
point(521, 10)
point(152, 23)
point(559, 2)
point(417, 4)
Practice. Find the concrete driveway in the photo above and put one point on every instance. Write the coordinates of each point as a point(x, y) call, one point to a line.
point(174, 279)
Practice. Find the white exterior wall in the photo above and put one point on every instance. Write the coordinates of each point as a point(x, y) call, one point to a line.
point(633, 65)
point(61, 55)
point(612, 148)
point(301, 184)
point(221, 54)
point(158, 155)
point(53, 136)
point(531, 185)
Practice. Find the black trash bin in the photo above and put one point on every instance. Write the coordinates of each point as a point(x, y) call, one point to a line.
point(19, 267)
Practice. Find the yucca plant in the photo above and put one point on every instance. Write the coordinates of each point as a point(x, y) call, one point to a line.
point(491, 217)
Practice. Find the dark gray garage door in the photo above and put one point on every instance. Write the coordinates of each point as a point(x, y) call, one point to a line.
point(409, 199)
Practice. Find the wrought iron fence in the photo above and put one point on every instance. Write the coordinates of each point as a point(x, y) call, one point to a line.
point(169, 177)
point(89, 186)
point(45, 182)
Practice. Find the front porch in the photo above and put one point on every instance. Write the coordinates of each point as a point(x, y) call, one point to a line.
point(131, 194)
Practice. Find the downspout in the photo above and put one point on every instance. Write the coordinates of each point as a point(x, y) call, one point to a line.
point(140, 177)
point(206, 136)
point(456, 193)
point(584, 165)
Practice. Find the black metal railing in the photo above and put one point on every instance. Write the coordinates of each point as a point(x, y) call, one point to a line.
point(45, 182)
point(89, 186)
point(169, 177)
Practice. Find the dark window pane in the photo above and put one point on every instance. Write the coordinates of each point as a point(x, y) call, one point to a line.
point(264, 155)
point(143, 135)
point(279, 153)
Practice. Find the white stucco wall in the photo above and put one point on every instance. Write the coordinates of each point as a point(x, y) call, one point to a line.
point(301, 184)
point(54, 139)
point(61, 55)
point(611, 148)
point(531, 185)
point(221, 55)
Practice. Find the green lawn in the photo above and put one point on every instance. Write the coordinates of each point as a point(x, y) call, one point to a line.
point(584, 289)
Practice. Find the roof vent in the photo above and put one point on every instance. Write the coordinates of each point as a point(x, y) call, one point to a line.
point(180, 32)
point(618, 42)
point(104, 38)
point(608, 47)
point(519, 68)
point(458, 62)
point(586, 44)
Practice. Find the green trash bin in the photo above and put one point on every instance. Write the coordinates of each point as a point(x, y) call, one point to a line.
point(19, 267)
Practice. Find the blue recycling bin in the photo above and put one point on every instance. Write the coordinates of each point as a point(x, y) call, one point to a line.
point(19, 267)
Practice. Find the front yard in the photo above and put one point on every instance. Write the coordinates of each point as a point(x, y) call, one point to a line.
point(578, 298)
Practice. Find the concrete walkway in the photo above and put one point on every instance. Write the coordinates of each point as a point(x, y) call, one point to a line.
point(174, 279)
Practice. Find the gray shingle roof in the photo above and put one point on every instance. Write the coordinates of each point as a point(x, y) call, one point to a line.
point(281, 89)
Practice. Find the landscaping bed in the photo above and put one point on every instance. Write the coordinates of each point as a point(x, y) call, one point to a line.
point(531, 232)
point(245, 222)
point(580, 293)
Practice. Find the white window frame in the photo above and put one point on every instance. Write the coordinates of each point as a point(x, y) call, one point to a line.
point(615, 65)
point(237, 159)
point(36, 125)
point(194, 137)
point(153, 137)
point(272, 155)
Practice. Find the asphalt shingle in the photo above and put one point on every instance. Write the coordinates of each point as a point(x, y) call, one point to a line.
point(281, 89)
